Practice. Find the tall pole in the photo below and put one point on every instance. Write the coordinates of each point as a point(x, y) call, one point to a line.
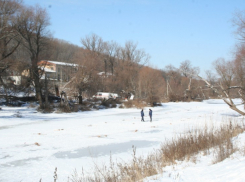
point(46, 91)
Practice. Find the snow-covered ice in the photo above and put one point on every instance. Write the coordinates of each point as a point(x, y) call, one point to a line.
point(32, 144)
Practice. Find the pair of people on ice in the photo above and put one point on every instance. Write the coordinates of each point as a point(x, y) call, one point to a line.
point(142, 115)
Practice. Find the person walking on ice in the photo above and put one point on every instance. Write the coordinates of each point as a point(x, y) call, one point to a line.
point(150, 114)
point(142, 115)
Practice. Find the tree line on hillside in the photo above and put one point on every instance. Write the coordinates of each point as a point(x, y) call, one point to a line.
point(25, 39)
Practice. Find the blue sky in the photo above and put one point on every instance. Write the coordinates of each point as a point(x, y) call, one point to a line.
point(170, 31)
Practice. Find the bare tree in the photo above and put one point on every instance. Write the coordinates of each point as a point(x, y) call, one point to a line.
point(223, 95)
point(239, 23)
point(95, 46)
point(187, 70)
point(239, 70)
point(131, 54)
point(85, 79)
point(173, 82)
point(32, 25)
point(8, 37)
point(62, 51)
point(129, 61)
point(8, 34)
point(111, 51)
point(93, 43)
point(225, 69)
point(151, 85)
point(212, 79)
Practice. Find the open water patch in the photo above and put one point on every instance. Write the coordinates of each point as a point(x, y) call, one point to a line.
point(103, 150)
point(18, 163)
point(5, 127)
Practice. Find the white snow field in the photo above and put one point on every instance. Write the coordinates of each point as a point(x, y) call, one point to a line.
point(32, 144)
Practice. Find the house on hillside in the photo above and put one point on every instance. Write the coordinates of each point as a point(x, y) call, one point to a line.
point(57, 71)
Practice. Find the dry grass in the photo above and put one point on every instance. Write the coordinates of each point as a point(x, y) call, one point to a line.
point(101, 136)
point(63, 109)
point(183, 147)
point(135, 103)
point(37, 144)
point(242, 150)
point(32, 105)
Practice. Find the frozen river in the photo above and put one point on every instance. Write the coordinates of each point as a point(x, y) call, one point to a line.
point(33, 144)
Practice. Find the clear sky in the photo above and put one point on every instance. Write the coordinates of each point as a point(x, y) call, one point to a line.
point(171, 31)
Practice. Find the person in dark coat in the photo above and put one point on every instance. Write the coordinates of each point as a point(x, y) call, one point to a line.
point(142, 115)
point(150, 114)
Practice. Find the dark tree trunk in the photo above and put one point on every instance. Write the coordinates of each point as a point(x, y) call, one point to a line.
point(64, 101)
point(80, 98)
point(5, 89)
point(105, 61)
point(35, 77)
point(57, 90)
